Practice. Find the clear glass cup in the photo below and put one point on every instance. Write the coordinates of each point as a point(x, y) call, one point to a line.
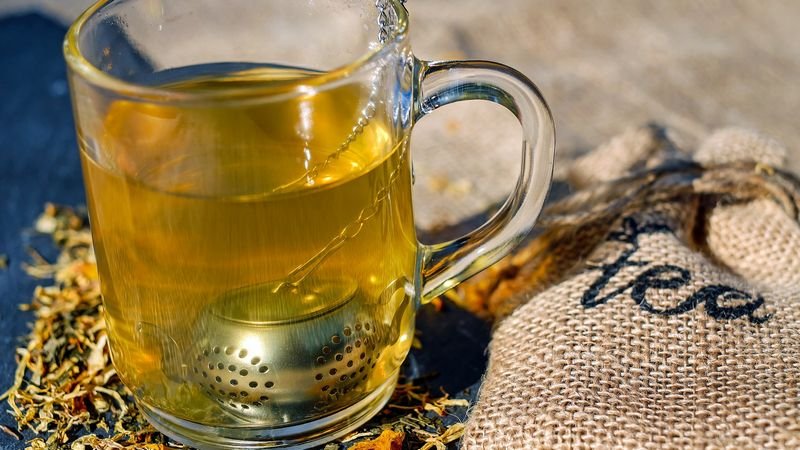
point(249, 185)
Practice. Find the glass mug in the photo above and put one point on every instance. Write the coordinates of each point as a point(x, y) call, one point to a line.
point(249, 186)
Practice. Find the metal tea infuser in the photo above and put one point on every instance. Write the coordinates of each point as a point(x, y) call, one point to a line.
point(236, 363)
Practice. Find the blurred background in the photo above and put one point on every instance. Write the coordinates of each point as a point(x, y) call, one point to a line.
point(603, 66)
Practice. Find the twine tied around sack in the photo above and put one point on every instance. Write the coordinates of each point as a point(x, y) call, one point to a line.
point(677, 179)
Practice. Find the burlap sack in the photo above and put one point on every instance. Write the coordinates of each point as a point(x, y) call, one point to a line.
point(659, 310)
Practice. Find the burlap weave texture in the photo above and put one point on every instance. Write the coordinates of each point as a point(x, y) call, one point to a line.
point(659, 317)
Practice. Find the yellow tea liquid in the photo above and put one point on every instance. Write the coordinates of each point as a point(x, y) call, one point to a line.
point(209, 208)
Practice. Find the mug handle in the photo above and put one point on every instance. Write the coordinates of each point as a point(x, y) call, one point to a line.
point(445, 265)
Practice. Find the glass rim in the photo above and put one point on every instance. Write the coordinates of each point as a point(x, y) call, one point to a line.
point(78, 63)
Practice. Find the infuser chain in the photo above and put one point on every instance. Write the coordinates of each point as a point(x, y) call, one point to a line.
point(386, 28)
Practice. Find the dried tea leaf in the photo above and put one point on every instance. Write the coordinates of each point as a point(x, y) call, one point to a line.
point(64, 382)
point(388, 440)
point(45, 224)
point(96, 360)
point(36, 444)
point(11, 432)
point(357, 435)
point(440, 405)
point(415, 412)
point(440, 442)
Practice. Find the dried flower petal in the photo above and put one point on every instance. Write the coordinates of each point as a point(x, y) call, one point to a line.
point(388, 440)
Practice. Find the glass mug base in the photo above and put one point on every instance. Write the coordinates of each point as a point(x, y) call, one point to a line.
point(306, 435)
